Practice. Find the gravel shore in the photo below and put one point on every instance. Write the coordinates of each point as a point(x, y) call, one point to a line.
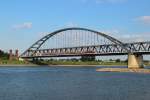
point(123, 70)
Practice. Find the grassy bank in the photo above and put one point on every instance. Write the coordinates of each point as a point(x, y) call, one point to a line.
point(57, 62)
point(65, 62)
point(13, 62)
point(69, 62)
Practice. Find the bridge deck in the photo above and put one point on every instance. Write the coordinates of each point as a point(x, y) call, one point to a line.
point(94, 50)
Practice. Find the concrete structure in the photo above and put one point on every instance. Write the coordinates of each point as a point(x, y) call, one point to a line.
point(93, 43)
point(10, 55)
point(135, 61)
point(16, 54)
point(13, 56)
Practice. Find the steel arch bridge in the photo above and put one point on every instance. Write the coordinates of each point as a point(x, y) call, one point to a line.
point(82, 42)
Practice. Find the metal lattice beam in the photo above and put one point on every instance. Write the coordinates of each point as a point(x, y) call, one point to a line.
point(96, 50)
point(35, 47)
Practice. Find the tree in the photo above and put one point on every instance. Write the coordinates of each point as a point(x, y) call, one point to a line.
point(118, 60)
point(88, 58)
point(3, 55)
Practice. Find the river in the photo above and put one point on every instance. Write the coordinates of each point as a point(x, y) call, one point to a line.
point(71, 83)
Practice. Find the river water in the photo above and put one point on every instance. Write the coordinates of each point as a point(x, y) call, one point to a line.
point(71, 83)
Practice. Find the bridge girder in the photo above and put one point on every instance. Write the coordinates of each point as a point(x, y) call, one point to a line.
point(94, 50)
point(36, 46)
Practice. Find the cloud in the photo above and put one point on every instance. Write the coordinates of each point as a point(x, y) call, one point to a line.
point(111, 32)
point(134, 37)
point(126, 36)
point(144, 19)
point(71, 24)
point(26, 25)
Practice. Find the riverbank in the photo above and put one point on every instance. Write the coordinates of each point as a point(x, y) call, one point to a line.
point(17, 65)
point(100, 68)
point(81, 63)
point(63, 63)
point(3, 65)
point(123, 70)
point(86, 65)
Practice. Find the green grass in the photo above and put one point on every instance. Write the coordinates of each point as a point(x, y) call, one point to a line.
point(65, 62)
point(6, 62)
point(81, 63)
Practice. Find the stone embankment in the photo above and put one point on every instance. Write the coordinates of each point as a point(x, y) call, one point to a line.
point(123, 70)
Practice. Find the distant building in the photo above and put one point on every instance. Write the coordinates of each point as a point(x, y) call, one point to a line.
point(13, 56)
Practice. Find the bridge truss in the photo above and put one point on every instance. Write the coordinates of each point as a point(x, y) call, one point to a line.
point(81, 41)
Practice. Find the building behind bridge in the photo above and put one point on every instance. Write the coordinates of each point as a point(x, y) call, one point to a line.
point(13, 56)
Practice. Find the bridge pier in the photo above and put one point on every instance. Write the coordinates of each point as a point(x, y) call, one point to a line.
point(135, 61)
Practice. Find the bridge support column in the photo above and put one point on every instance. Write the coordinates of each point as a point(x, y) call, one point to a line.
point(135, 61)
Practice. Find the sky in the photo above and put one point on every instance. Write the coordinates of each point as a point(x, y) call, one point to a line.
point(23, 22)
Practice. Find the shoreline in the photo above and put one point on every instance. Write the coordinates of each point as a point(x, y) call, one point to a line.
point(87, 65)
point(17, 65)
point(55, 65)
point(61, 65)
point(104, 68)
point(125, 70)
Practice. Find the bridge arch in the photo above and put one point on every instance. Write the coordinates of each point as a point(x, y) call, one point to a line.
point(41, 41)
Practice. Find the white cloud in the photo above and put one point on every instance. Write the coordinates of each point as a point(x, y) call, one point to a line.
point(26, 25)
point(71, 24)
point(127, 37)
point(111, 32)
point(144, 19)
point(134, 37)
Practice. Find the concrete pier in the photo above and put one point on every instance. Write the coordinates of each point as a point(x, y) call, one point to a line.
point(135, 61)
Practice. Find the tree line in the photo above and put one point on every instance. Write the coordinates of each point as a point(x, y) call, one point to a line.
point(4, 55)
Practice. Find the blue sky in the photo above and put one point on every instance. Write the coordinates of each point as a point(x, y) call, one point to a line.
point(22, 22)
